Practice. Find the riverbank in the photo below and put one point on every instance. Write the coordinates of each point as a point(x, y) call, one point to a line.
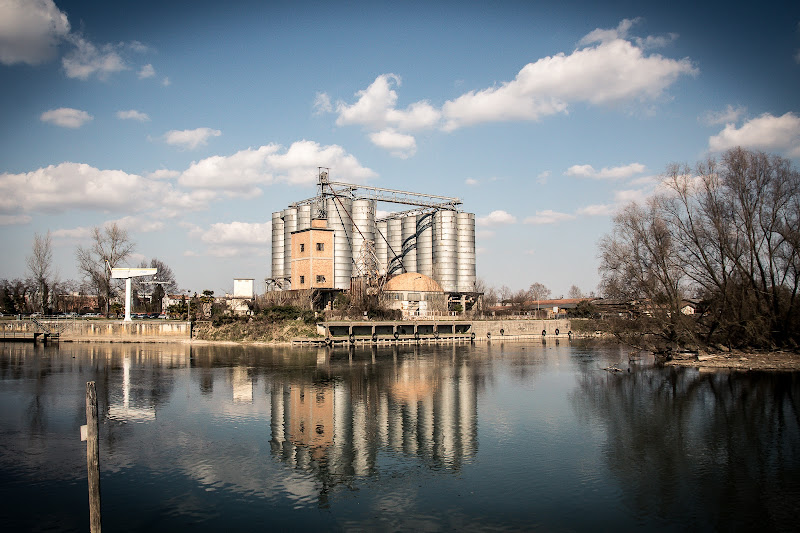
point(739, 360)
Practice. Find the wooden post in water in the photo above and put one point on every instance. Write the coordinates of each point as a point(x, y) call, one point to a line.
point(93, 457)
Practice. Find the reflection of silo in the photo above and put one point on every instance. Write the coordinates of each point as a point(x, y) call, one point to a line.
point(303, 217)
point(381, 248)
point(363, 226)
point(466, 252)
point(395, 230)
point(339, 221)
point(425, 244)
point(409, 232)
point(445, 241)
point(467, 410)
point(289, 225)
point(277, 246)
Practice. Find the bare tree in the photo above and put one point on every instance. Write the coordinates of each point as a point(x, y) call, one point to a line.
point(158, 285)
point(575, 292)
point(110, 246)
point(40, 266)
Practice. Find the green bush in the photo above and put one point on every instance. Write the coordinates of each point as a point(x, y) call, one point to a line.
point(280, 313)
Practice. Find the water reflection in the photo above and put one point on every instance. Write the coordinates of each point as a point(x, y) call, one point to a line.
point(679, 440)
point(336, 421)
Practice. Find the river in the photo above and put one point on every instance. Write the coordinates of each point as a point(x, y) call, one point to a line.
point(468, 437)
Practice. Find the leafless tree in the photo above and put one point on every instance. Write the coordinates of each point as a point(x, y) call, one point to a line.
point(726, 232)
point(40, 266)
point(110, 246)
point(575, 292)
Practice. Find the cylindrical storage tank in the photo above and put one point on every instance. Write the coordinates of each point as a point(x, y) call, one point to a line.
point(381, 247)
point(395, 247)
point(409, 229)
point(466, 252)
point(289, 225)
point(277, 247)
point(303, 217)
point(339, 213)
point(425, 244)
point(363, 227)
point(445, 242)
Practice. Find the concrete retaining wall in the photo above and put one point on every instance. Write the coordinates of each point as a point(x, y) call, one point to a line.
point(108, 330)
point(520, 327)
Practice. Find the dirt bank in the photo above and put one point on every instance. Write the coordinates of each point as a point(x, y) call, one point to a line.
point(739, 360)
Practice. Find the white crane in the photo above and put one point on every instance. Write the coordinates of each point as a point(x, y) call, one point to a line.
point(127, 273)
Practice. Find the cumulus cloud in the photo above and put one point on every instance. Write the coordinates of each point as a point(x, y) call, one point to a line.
point(30, 31)
point(471, 182)
point(767, 132)
point(496, 218)
point(597, 210)
point(190, 139)
point(728, 115)
point(147, 71)
point(612, 71)
point(87, 59)
point(399, 144)
point(322, 104)
point(132, 114)
point(59, 188)
point(266, 164)
point(81, 232)
point(238, 233)
point(139, 224)
point(543, 176)
point(613, 173)
point(66, 117)
point(548, 216)
point(375, 108)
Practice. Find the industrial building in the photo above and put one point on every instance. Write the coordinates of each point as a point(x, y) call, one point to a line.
point(327, 241)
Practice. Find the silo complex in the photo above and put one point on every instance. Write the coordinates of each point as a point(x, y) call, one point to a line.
point(434, 238)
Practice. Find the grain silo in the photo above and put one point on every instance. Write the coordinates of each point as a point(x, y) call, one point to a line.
point(445, 242)
point(465, 248)
point(425, 244)
point(339, 211)
point(409, 247)
point(277, 249)
point(289, 226)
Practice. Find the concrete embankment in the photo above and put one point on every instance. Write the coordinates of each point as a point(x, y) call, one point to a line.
point(496, 328)
point(106, 330)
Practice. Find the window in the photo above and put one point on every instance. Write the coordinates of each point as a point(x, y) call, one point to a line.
point(302, 280)
point(302, 247)
point(320, 246)
point(320, 279)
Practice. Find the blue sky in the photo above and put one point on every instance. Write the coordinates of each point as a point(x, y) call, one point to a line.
point(190, 123)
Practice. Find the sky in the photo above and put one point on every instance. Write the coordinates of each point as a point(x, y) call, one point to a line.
point(189, 122)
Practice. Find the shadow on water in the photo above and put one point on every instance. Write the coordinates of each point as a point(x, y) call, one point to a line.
point(719, 448)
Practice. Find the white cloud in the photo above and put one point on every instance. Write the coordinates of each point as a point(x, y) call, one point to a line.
point(471, 182)
point(548, 216)
point(322, 104)
point(81, 232)
point(66, 117)
point(86, 59)
point(147, 71)
point(30, 31)
point(627, 196)
point(597, 210)
point(727, 116)
point(132, 114)
point(14, 220)
point(165, 82)
point(59, 188)
point(376, 109)
point(163, 174)
point(542, 177)
point(767, 132)
point(613, 71)
point(399, 144)
point(614, 173)
point(238, 233)
point(496, 218)
point(139, 223)
point(267, 164)
point(190, 139)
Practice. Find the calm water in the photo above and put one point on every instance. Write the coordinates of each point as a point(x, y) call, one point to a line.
point(486, 437)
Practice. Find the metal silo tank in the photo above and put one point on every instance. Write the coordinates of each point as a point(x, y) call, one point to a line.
point(445, 241)
point(303, 217)
point(381, 248)
point(363, 225)
point(409, 235)
point(466, 252)
point(425, 244)
point(339, 220)
point(277, 247)
point(289, 225)
point(395, 236)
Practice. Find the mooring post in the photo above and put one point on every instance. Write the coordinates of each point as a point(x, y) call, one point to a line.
point(93, 457)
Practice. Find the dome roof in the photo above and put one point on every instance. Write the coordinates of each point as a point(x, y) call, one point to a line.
point(412, 282)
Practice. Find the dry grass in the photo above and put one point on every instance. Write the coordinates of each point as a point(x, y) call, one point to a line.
point(255, 330)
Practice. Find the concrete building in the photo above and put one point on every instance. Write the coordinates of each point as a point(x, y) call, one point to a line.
point(414, 294)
